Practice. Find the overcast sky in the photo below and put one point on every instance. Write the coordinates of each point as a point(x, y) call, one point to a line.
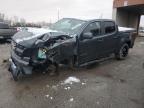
point(46, 10)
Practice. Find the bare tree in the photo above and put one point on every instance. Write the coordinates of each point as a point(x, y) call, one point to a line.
point(2, 17)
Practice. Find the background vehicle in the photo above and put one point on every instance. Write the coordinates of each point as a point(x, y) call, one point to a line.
point(6, 32)
point(69, 41)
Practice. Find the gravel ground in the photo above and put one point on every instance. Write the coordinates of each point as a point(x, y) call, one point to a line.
point(109, 84)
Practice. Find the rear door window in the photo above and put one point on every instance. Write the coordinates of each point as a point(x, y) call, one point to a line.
point(109, 27)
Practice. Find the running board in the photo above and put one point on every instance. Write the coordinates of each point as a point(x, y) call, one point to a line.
point(95, 61)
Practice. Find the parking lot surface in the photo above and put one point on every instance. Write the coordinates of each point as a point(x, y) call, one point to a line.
point(108, 84)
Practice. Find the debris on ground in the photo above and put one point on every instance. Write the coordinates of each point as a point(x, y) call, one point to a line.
point(47, 86)
point(67, 88)
point(83, 83)
point(122, 80)
point(47, 96)
point(51, 98)
point(54, 87)
point(5, 60)
point(71, 80)
point(71, 99)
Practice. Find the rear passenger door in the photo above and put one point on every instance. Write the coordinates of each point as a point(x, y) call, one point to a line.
point(109, 36)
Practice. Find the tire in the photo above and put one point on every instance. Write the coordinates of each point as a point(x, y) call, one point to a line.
point(71, 64)
point(123, 52)
point(15, 78)
point(53, 69)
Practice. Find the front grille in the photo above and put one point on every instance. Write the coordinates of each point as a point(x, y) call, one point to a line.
point(18, 49)
point(18, 53)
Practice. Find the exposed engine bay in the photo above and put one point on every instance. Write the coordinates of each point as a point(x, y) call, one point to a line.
point(40, 52)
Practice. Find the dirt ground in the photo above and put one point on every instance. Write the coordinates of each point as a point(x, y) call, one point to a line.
point(109, 84)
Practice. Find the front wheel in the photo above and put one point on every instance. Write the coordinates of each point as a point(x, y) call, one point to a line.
point(52, 69)
point(123, 52)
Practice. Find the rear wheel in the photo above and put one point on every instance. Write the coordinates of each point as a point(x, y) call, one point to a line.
point(123, 52)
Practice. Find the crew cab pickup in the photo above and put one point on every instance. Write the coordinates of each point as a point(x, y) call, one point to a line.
point(6, 32)
point(68, 41)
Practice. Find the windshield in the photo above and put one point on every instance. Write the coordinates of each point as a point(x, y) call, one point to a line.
point(68, 25)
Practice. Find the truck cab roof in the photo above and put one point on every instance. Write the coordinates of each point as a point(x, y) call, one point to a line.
point(91, 20)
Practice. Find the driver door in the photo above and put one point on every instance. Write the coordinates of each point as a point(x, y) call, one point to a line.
point(89, 48)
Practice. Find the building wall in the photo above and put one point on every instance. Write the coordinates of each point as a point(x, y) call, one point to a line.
point(123, 17)
point(126, 19)
point(122, 3)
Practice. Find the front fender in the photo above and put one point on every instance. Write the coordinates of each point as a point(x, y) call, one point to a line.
point(63, 51)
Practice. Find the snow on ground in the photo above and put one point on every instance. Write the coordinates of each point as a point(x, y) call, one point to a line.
point(48, 96)
point(51, 98)
point(67, 88)
point(71, 80)
point(83, 83)
point(71, 99)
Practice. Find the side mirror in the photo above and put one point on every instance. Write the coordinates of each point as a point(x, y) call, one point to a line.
point(87, 35)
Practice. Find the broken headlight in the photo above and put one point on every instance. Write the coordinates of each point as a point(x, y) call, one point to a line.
point(42, 53)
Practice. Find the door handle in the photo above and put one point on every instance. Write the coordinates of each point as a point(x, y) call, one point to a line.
point(100, 39)
point(115, 37)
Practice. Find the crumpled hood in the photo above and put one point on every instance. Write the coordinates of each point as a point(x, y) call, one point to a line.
point(28, 37)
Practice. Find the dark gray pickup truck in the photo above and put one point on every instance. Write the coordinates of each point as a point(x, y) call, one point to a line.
point(6, 32)
point(68, 41)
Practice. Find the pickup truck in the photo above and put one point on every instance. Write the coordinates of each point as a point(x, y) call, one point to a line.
point(6, 32)
point(69, 41)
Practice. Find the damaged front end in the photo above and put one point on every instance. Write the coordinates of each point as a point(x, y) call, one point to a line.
point(39, 51)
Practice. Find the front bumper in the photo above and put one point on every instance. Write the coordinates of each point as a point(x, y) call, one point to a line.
point(19, 65)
